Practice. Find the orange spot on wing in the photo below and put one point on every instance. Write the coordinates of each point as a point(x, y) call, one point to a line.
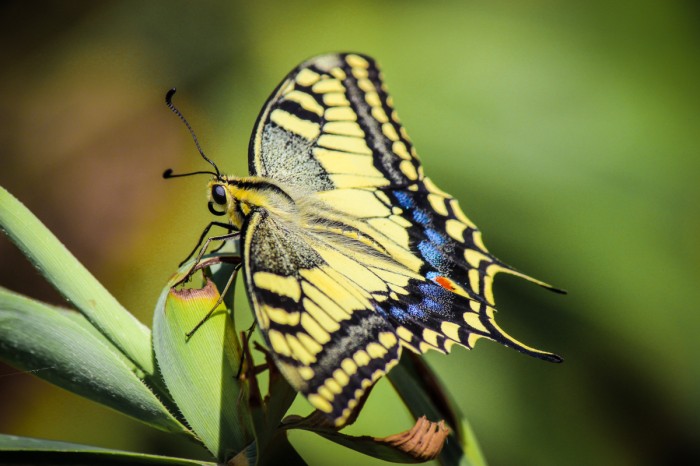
point(445, 282)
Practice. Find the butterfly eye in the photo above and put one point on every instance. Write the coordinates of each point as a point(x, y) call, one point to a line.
point(218, 194)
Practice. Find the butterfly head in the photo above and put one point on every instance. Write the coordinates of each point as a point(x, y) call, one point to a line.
point(237, 197)
point(222, 201)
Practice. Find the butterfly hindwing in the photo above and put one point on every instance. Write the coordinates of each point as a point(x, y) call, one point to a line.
point(321, 326)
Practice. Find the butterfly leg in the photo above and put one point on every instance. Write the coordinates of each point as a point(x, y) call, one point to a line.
point(245, 337)
point(227, 226)
point(203, 249)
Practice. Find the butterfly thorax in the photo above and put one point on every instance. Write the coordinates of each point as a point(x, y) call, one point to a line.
point(243, 194)
point(237, 197)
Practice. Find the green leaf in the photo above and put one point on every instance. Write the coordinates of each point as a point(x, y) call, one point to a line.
point(423, 394)
point(75, 283)
point(201, 372)
point(28, 451)
point(66, 352)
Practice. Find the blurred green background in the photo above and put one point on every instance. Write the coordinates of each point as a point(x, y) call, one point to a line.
point(567, 130)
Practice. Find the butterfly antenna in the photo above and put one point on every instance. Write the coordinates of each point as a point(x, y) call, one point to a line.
point(169, 103)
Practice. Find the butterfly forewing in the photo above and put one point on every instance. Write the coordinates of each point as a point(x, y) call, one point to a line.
point(330, 125)
point(380, 259)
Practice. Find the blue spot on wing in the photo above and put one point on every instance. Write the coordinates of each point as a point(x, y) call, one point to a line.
point(416, 311)
point(405, 199)
point(421, 216)
point(398, 313)
point(431, 305)
point(437, 301)
point(433, 292)
point(431, 254)
point(435, 236)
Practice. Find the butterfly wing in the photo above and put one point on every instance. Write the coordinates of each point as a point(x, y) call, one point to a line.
point(322, 327)
point(418, 271)
point(330, 125)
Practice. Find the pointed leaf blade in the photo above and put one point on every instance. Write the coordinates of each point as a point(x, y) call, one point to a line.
point(75, 282)
point(29, 451)
point(36, 337)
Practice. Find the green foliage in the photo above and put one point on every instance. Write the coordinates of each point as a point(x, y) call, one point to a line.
point(22, 450)
point(61, 347)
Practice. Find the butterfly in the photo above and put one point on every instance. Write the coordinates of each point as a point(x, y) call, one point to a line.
point(351, 254)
